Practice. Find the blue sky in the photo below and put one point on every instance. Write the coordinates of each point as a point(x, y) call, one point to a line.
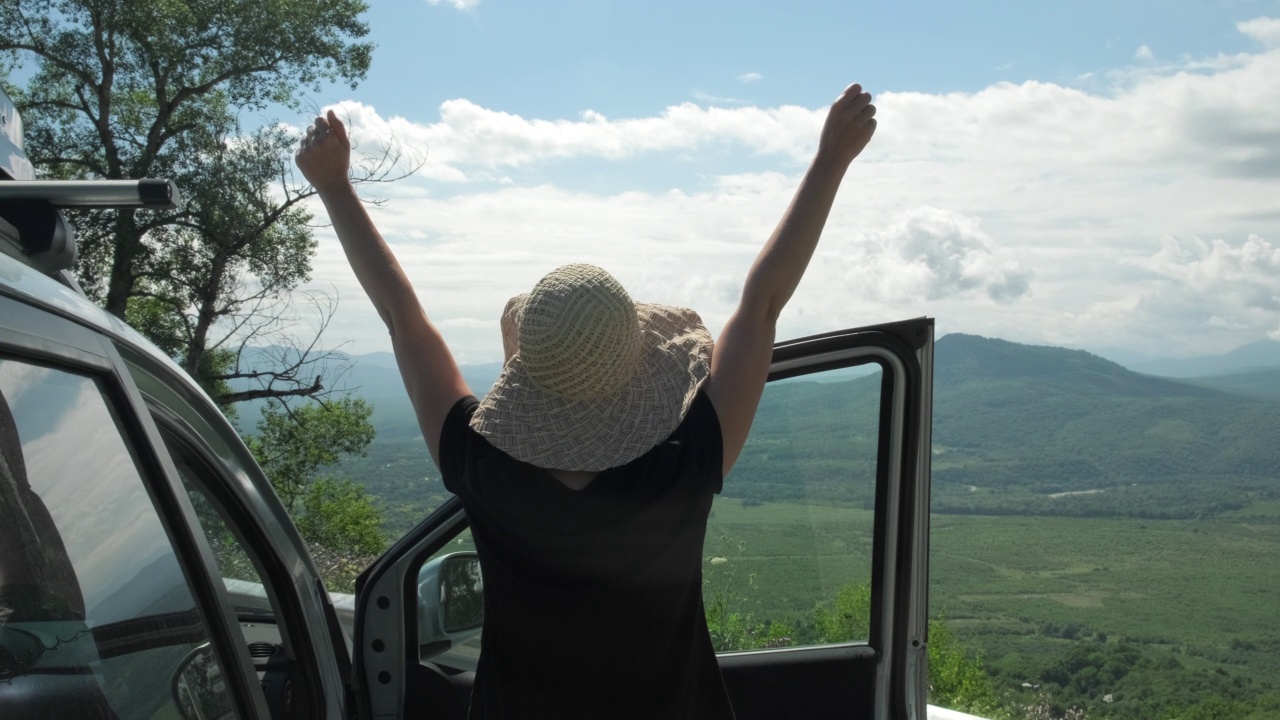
point(626, 59)
point(1086, 174)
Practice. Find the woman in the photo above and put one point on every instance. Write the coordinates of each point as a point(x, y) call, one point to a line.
point(587, 472)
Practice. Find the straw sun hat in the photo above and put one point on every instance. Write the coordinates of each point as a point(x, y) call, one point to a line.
point(591, 379)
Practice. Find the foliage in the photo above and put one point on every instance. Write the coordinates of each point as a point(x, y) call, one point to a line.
point(340, 514)
point(956, 680)
point(147, 88)
point(849, 619)
point(337, 517)
point(293, 443)
point(126, 89)
point(731, 626)
point(226, 266)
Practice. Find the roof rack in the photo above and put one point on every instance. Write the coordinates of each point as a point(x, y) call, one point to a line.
point(35, 229)
point(32, 227)
point(145, 193)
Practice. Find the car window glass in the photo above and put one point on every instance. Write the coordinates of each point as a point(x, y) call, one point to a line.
point(450, 611)
point(257, 609)
point(788, 553)
point(238, 570)
point(96, 615)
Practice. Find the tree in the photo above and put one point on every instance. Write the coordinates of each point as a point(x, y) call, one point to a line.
point(340, 514)
point(293, 443)
point(130, 88)
point(850, 619)
point(957, 681)
point(222, 274)
point(157, 88)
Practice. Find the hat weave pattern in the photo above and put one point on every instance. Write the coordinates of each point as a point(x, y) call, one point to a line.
point(606, 395)
point(579, 333)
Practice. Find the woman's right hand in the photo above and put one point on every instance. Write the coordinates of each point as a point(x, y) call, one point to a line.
point(324, 156)
point(850, 124)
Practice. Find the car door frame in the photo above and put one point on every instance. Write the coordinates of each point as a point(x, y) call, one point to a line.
point(892, 660)
point(304, 611)
point(46, 334)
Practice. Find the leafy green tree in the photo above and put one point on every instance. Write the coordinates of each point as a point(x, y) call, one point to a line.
point(138, 88)
point(957, 681)
point(848, 619)
point(147, 88)
point(337, 517)
point(224, 269)
point(339, 513)
point(293, 443)
point(156, 88)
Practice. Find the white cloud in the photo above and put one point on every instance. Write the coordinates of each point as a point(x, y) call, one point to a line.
point(1220, 275)
point(469, 138)
point(1263, 29)
point(1143, 53)
point(933, 254)
point(457, 4)
point(750, 77)
point(1204, 264)
point(1035, 211)
point(716, 99)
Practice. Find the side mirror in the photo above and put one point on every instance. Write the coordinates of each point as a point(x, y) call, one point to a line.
point(199, 690)
point(450, 602)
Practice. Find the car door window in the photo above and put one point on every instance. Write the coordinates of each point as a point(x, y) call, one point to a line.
point(257, 609)
point(788, 553)
point(96, 614)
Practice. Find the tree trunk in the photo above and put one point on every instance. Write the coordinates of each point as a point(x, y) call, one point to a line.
point(128, 250)
point(205, 315)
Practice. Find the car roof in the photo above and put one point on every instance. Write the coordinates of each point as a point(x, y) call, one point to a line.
point(29, 285)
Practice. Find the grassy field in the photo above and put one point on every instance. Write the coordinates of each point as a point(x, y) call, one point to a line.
point(1021, 591)
point(1188, 582)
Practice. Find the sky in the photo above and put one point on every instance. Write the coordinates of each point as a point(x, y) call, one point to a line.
point(1092, 175)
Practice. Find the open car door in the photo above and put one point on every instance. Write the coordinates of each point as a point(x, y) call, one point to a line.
point(815, 562)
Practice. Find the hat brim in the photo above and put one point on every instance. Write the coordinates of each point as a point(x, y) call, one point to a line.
point(539, 427)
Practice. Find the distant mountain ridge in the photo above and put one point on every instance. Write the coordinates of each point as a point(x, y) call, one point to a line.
point(968, 358)
point(1260, 355)
point(1017, 429)
point(1025, 429)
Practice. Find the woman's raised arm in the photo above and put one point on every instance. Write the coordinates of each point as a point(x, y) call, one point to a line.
point(740, 362)
point(430, 373)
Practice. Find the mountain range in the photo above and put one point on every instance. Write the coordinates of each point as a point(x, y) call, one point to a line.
point(1259, 355)
point(1018, 428)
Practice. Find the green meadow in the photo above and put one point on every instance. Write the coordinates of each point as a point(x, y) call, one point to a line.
point(1170, 611)
point(1171, 582)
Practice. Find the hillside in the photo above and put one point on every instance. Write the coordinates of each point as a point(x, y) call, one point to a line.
point(1256, 383)
point(1016, 425)
point(1022, 429)
point(1018, 429)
